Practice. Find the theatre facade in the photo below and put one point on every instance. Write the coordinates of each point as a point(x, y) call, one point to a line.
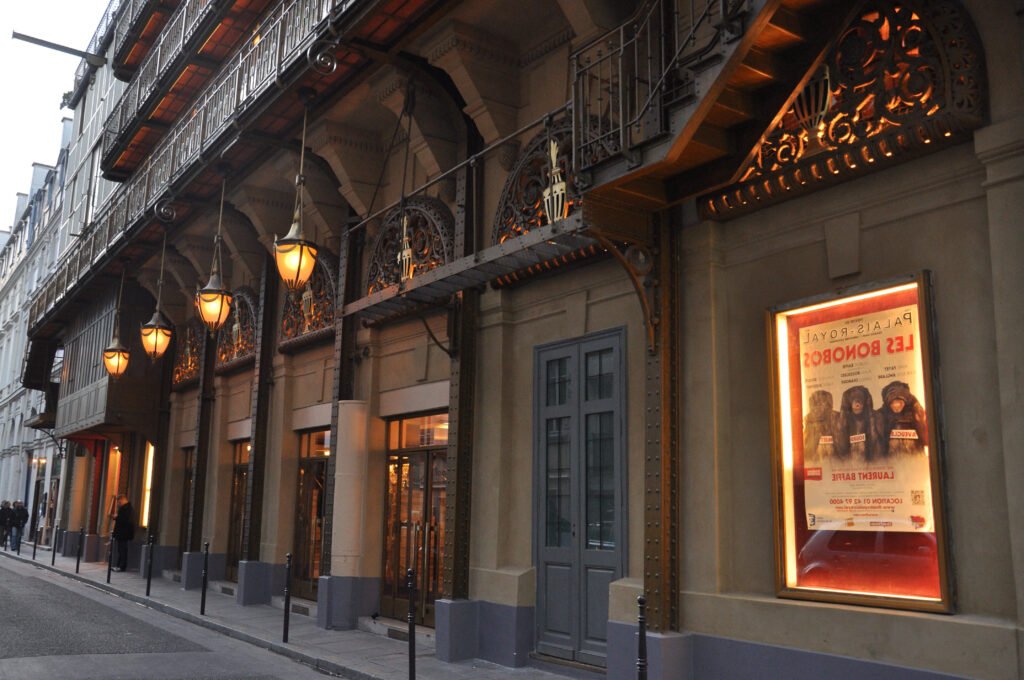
point(549, 306)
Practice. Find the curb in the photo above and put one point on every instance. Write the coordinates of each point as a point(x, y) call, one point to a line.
point(316, 662)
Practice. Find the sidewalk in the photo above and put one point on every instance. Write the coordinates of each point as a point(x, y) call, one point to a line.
point(350, 654)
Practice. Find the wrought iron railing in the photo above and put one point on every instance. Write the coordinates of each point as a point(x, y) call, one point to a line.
point(623, 81)
point(173, 40)
point(129, 23)
point(99, 37)
point(297, 25)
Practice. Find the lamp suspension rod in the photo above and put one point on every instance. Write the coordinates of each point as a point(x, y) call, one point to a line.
point(220, 219)
point(117, 310)
point(160, 281)
point(455, 168)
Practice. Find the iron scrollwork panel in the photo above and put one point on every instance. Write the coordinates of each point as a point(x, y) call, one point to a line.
point(543, 170)
point(312, 311)
point(236, 343)
point(187, 347)
point(412, 240)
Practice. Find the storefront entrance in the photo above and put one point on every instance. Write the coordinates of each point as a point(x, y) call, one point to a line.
point(414, 522)
point(314, 450)
point(239, 482)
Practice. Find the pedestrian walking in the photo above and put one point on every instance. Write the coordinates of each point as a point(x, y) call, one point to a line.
point(19, 518)
point(124, 530)
point(6, 514)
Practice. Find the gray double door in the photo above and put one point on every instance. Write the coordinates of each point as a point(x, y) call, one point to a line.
point(580, 501)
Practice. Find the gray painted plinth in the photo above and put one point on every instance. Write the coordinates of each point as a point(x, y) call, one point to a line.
point(258, 582)
point(164, 557)
point(192, 570)
point(494, 632)
point(92, 552)
point(341, 600)
point(689, 656)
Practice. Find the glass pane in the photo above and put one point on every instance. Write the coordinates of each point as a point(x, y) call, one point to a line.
point(557, 381)
point(557, 513)
point(600, 372)
point(600, 487)
point(423, 431)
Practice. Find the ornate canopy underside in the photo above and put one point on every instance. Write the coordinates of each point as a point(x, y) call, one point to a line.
point(906, 78)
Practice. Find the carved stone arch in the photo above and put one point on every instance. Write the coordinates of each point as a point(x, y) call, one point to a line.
point(906, 77)
point(188, 345)
point(236, 342)
point(309, 316)
point(521, 206)
point(431, 226)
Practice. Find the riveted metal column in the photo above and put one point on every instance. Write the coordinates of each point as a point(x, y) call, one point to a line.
point(204, 418)
point(661, 488)
point(344, 372)
point(262, 382)
point(462, 340)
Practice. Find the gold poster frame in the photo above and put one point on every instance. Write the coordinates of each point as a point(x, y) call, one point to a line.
point(944, 603)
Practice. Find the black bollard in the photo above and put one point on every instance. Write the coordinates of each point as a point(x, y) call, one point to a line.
point(35, 544)
point(81, 541)
point(149, 566)
point(287, 594)
point(206, 564)
point(110, 556)
point(641, 652)
point(53, 547)
point(410, 585)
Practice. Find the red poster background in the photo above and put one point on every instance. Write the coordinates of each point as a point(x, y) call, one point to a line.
point(904, 564)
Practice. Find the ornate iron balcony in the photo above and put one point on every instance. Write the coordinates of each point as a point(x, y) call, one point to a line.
point(244, 80)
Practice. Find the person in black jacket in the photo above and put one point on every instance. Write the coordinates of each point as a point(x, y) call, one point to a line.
point(6, 514)
point(19, 518)
point(124, 530)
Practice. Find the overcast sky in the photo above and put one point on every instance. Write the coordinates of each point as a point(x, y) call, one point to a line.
point(33, 80)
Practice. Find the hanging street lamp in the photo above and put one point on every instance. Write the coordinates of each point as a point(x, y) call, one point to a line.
point(295, 254)
point(115, 356)
point(213, 302)
point(156, 333)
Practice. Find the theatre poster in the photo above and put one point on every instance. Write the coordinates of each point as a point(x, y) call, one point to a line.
point(856, 461)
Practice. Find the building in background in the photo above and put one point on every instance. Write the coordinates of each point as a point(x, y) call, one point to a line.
point(601, 291)
point(32, 458)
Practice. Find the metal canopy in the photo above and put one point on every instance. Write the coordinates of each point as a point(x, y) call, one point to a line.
point(535, 247)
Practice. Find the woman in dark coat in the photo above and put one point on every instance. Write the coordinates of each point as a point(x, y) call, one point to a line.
point(859, 432)
point(124, 530)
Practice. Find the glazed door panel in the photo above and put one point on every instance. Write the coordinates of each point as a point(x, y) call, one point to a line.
point(309, 519)
point(414, 532)
point(239, 482)
point(580, 481)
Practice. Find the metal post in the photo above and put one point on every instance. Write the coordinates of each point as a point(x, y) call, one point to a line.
point(149, 566)
point(410, 586)
point(110, 556)
point(206, 564)
point(53, 546)
point(35, 544)
point(641, 652)
point(287, 593)
point(81, 541)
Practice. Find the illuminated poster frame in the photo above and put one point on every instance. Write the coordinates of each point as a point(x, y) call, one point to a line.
point(857, 458)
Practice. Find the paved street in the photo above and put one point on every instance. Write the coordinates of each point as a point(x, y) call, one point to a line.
point(54, 628)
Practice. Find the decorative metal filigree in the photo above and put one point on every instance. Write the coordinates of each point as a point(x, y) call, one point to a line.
point(236, 342)
point(429, 230)
point(542, 181)
point(187, 348)
point(311, 313)
point(904, 75)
